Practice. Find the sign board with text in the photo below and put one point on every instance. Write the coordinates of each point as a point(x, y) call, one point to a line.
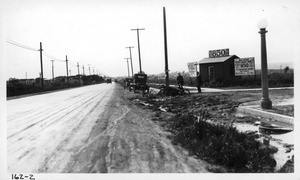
point(192, 69)
point(218, 53)
point(244, 66)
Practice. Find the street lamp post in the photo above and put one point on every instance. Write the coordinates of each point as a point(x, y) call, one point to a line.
point(266, 103)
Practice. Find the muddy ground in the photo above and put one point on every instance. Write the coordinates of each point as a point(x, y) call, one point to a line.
point(106, 129)
point(217, 107)
point(92, 129)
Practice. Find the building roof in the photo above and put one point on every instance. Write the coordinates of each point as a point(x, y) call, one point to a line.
point(216, 60)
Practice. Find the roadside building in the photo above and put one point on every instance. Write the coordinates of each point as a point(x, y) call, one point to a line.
point(219, 66)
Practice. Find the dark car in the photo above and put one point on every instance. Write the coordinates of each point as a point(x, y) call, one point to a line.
point(127, 83)
point(108, 81)
point(140, 83)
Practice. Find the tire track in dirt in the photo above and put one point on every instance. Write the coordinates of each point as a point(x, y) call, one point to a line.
point(63, 110)
point(52, 159)
point(57, 117)
point(24, 151)
point(130, 142)
point(39, 115)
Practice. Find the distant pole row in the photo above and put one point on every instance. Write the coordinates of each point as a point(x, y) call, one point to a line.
point(129, 47)
point(139, 52)
point(42, 52)
point(68, 72)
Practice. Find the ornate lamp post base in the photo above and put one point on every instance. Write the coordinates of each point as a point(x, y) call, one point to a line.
point(265, 103)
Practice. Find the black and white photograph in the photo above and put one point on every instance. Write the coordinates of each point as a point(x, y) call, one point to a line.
point(144, 89)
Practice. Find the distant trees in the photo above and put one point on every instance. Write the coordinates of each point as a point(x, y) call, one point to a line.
point(92, 79)
point(15, 87)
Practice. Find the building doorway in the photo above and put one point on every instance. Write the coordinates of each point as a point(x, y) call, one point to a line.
point(211, 73)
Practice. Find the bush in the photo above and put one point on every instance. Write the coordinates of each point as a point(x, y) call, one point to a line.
point(225, 146)
point(15, 88)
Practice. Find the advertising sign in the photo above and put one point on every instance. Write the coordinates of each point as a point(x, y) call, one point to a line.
point(244, 66)
point(192, 69)
point(218, 53)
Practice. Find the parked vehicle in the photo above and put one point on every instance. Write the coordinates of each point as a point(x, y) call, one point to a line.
point(127, 83)
point(108, 81)
point(140, 83)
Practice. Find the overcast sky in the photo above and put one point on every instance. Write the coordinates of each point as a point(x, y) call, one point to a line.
point(96, 32)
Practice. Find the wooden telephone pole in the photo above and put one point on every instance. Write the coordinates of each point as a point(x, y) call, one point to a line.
point(138, 38)
point(41, 57)
point(129, 47)
point(67, 69)
point(166, 48)
point(52, 70)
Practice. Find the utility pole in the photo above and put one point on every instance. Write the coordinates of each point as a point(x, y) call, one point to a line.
point(166, 48)
point(127, 65)
point(52, 71)
point(129, 47)
point(82, 69)
point(41, 57)
point(70, 72)
point(67, 69)
point(137, 30)
point(78, 69)
point(89, 68)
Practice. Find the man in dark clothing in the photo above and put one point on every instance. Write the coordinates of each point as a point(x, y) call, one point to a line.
point(180, 80)
point(199, 82)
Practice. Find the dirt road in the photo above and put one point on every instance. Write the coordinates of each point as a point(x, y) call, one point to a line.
point(91, 129)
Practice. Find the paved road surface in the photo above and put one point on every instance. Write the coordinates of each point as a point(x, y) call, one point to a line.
point(91, 129)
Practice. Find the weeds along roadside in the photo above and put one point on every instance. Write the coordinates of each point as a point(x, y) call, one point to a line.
point(221, 145)
point(204, 130)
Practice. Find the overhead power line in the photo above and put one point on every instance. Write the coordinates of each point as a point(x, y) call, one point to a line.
point(20, 45)
point(48, 55)
point(52, 57)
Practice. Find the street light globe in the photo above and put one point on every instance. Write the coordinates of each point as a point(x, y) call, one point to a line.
point(262, 24)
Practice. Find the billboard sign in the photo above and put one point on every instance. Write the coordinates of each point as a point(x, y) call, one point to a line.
point(192, 66)
point(218, 53)
point(244, 66)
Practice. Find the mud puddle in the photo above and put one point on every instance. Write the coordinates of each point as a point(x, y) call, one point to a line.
point(283, 142)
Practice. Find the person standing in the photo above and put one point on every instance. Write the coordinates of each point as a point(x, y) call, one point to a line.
point(199, 82)
point(180, 80)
